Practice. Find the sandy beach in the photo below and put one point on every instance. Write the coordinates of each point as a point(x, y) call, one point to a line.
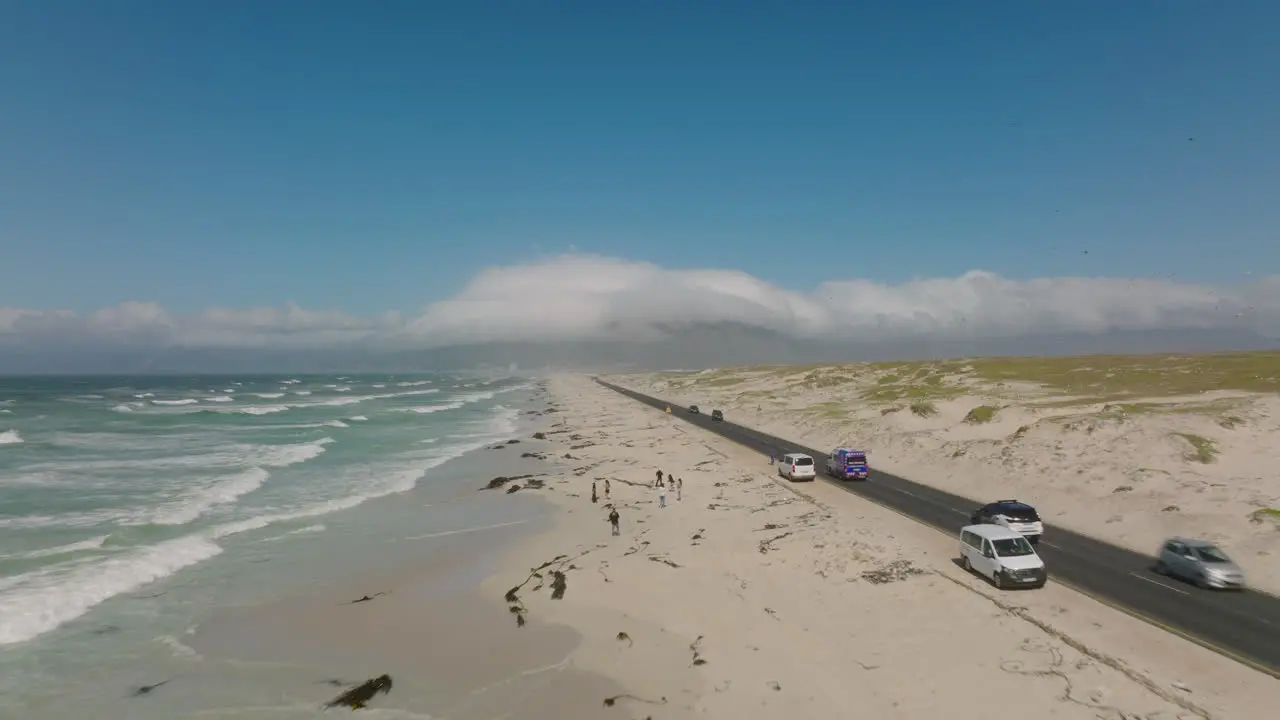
point(751, 597)
point(1131, 450)
point(744, 597)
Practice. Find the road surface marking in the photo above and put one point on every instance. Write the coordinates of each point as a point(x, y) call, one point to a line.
point(1156, 582)
point(1055, 547)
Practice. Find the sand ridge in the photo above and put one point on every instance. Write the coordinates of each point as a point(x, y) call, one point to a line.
point(753, 597)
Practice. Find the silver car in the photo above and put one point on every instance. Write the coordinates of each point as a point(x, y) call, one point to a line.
point(1200, 562)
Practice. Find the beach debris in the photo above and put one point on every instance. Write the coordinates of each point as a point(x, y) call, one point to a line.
point(106, 629)
point(895, 571)
point(772, 526)
point(558, 585)
point(366, 598)
point(697, 536)
point(534, 455)
point(665, 561)
point(539, 436)
point(774, 685)
point(696, 648)
point(611, 701)
point(146, 689)
point(359, 696)
point(513, 441)
point(513, 488)
point(580, 446)
point(771, 613)
point(767, 545)
point(503, 480)
point(623, 637)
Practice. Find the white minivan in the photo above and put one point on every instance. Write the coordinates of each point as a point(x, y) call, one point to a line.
point(795, 466)
point(1002, 555)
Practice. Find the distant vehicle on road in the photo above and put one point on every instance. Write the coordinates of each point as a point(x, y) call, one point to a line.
point(1002, 556)
point(1017, 516)
point(796, 466)
point(693, 409)
point(717, 416)
point(847, 464)
point(1200, 562)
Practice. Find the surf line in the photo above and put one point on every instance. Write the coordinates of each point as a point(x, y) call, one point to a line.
point(466, 530)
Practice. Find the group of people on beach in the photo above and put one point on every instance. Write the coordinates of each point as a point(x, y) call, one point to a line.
point(669, 484)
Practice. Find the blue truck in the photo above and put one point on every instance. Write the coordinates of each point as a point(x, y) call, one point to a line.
point(846, 464)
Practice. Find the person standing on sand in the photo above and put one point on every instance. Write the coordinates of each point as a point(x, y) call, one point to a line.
point(680, 489)
point(613, 521)
point(659, 481)
point(662, 495)
point(606, 488)
point(594, 497)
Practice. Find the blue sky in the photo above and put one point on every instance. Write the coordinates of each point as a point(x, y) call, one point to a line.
point(368, 156)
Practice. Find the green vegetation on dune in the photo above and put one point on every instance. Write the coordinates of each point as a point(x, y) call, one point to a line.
point(981, 414)
point(923, 408)
point(1102, 376)
point(1202, 449)
point(1264, 514)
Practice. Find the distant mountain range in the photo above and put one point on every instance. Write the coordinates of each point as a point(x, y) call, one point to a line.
point(691, 347)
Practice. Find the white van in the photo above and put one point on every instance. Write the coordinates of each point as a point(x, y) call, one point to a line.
point(1003, 555)
point(795, 466)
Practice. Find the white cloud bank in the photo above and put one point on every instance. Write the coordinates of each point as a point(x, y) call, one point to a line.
point(586, 297)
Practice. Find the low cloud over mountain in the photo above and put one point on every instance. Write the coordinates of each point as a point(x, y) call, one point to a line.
point(588, 310)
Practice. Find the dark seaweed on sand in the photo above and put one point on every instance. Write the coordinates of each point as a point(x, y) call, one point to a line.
point(359, 696)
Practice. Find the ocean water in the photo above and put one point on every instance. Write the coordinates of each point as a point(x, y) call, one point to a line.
point(131, 507)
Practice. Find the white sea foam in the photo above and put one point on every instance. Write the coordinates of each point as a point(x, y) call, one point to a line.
point(301, 392)
point(414, 383)
point(219, 398)
point(334, 423)
point(37, 602)
point(358, 418)
point(10, 437)
point(379, 385)
point(184, 401)
point(269, 396)
point(428, 409)
point(82, 546)
point(262, 409)
point(122, 408)
point(145, 395)
point(222, 492)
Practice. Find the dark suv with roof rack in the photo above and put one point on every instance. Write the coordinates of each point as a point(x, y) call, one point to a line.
point(1017, 516)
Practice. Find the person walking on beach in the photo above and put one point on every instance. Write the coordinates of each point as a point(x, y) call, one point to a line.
point(606, 488)
point(594, 497)
point(659, 480)
point(680, 489)
point(613, 521)
point(662, 495)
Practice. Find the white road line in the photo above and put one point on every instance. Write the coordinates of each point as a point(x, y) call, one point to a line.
point(1055, 547)
point(1166, 587)
point(959, 512)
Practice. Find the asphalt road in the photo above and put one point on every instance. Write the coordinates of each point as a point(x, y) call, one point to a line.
point(1244, 626)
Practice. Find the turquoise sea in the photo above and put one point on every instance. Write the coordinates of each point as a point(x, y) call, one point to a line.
point(130, 507)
